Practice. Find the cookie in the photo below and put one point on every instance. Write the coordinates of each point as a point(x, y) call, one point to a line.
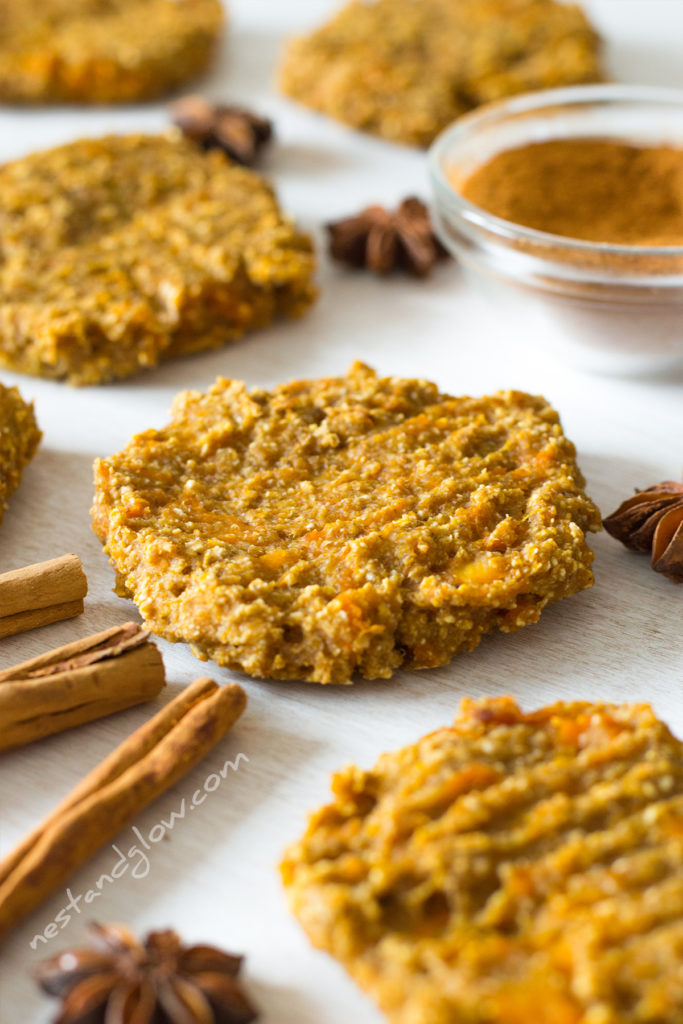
point(116, 253)
point(514, 869)
point(404, 69)
point(103, 51)
point(19, 439)
point(342, 525)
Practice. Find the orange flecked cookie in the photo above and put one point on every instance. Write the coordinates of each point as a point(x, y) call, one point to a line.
point(117, 253)
point(19, 439)
point(103, 51)
point(513, 869)
point(342, 525)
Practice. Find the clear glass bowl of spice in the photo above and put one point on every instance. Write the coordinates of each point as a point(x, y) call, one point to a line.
point(568, 205)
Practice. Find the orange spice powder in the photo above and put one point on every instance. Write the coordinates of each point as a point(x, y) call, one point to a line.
point(592, 189)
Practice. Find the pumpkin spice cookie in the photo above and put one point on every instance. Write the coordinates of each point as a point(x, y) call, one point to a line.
point(103, 51)
point(19, 439)
point(514, 869)
point(116, 253)
point(405, 69)
point(342, 525)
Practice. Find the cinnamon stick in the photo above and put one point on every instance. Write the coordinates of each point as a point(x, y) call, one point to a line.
point(130, 778)
point(78, 683)
point(40, 594)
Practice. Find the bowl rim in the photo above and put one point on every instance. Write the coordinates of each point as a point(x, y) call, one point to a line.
point(478, 217)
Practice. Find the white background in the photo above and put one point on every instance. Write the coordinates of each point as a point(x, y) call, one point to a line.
point(215, 878)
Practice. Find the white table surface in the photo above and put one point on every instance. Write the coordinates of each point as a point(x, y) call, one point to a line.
point(215, 876)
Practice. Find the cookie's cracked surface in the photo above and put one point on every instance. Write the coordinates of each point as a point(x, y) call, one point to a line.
point(348, 524)
point(514, 869)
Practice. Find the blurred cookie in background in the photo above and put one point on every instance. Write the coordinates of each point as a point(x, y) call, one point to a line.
point(404, 69)
point(103, 51)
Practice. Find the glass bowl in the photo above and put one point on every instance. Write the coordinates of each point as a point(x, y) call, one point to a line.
point(609, 308)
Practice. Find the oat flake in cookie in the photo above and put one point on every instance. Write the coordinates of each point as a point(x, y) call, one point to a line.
point(103, 51)
point(19, 439)
point(514, 869)
point(116, 253)
point(342, 525)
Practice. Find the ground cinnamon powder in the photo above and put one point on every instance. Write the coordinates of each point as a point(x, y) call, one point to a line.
point(593, 189)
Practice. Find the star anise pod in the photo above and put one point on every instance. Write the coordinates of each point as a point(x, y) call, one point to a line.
point(652, 520)
point(119, 980)
point(238, 132)
point(382, 241)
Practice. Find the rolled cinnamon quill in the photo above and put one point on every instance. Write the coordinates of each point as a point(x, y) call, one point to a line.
point(40, 594)
point(78, 683)
point(138, 771)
